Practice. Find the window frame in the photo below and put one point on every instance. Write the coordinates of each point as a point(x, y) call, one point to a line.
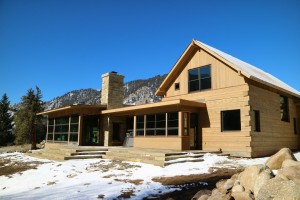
point(177, 86)
point(200, 79)
point(222, 113)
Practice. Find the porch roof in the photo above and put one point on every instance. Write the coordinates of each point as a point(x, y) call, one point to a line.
point(163, 106)
point(75, 109)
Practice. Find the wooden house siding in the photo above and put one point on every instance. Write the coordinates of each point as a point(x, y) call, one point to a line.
point(274, 133)
point(222, 75)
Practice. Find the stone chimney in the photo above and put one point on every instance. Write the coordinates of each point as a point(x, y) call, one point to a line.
point(112, 90)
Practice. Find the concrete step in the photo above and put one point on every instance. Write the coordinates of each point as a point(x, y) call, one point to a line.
point(174, 157)
point(183, 161)
point(144, 156)
point(134, 159)
point(92, 149)
point(82, 157)
point(89, 153)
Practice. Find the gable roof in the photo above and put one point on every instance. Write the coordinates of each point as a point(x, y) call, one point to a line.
point(240, 66)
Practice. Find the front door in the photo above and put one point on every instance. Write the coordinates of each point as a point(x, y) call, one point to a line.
point(194, 133)
point(90, 136)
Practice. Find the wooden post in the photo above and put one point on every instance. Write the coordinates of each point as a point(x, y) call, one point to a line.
point(180, 123)
point(134, 126)
point(47, 132)
point(166, 124)
point(69, 130)
point(80, 129)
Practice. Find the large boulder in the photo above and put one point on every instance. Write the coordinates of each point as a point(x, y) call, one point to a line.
point(291, 173)
point(278, 189)
point(218, 195)
point(242, 196)
point(262, 178)
point(275, 161)
point(289, 163)
point(228, 184)
point(238, 188)
point(249, 175)
point(201, 195)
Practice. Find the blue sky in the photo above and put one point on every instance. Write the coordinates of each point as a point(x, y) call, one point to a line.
point(63, 45)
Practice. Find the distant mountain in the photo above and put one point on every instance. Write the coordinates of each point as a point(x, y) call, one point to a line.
point(135, 92)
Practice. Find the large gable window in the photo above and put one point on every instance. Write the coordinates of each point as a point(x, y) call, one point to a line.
point(200, 78)
point(231, 120)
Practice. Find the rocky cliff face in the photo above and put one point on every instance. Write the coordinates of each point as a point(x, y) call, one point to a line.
point(135, 92)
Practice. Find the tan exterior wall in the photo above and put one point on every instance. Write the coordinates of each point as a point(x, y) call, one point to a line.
point(275, 133)
point(222, 75)
point(229, 92)
point(172, 143)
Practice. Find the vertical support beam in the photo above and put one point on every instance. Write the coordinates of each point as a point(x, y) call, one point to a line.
point(47, 132)
point(69, 130)
point(134, 126)
point(80, 132)
point(166, 124)
point(180, 123)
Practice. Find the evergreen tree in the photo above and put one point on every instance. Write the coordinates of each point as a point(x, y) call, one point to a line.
point(5, 121)
point(28, 124)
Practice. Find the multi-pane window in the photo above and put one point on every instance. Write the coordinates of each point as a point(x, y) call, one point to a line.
point(161, 124)
point(284, 109)
point(231, 120)
point(50, 129)
point(61, 129)
point(74, 128)
point(156, 124)
point(140, 125)
point(200, 78)
point(173, 123)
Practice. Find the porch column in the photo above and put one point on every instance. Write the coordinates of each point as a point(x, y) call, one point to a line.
point(134, 126)
point(180, 128)
point(69, 130)
point(80, 129)
point(106, 131)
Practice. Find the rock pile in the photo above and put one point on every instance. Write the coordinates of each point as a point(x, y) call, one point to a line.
point(278, 178)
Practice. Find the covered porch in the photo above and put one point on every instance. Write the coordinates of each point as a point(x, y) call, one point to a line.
point(74, 125)
point(171, 125)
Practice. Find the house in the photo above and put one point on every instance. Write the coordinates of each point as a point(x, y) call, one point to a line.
point(211, 101)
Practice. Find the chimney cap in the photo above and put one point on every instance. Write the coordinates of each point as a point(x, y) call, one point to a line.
point(113, 72)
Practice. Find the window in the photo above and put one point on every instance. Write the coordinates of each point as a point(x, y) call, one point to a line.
point(200, 78)
point(284, 109)
point(156, 124)
point(231, 120)
point(295, 126)
point(74, 128)
point(177, 86)
point(140, 125)
point(256, 121)
point(50, 129)
point(173, 123)
point(61, 129)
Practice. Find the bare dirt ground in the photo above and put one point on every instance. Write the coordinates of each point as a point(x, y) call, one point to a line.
point(19, 148)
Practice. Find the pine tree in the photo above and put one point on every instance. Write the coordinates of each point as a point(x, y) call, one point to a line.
point(5, 121)
point(28, 124)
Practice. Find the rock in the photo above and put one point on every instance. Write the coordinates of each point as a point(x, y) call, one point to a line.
point(221, 183)
point(277, 189)
point(201, 193)
point(228, 184)
point(238, 188)
point(249, 175)
point(275, 161)
point(234, 177)
point(292, 173)
point(241, 196)
point(262, 178)
point(203, 197)
point(289, 163)
point(237, 182)
point(217, 195)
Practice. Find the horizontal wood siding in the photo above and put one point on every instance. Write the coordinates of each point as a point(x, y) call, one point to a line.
point(275, 134)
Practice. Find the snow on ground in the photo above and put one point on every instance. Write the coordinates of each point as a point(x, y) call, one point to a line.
point(93, 178)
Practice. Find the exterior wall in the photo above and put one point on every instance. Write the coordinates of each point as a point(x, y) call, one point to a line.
point(274, 134)
point(112, 90)
point(172, 143)
point(229, 92)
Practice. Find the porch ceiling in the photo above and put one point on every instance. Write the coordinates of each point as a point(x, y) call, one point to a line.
point(164, 106)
